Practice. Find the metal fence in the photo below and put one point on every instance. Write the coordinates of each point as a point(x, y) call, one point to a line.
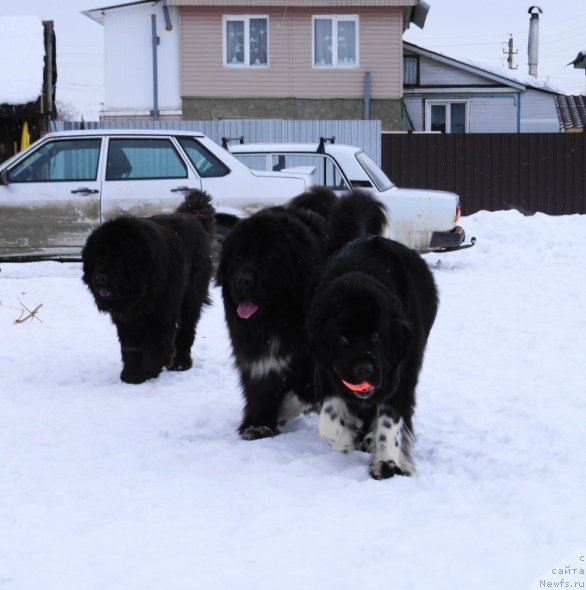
point(364, 134)
point(530, 172)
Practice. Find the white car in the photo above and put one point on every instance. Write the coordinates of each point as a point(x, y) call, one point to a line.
point(54, 193)
point(425, 220)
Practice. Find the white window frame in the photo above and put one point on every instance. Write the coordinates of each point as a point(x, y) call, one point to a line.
point(447, 103)
point(246, 19)
point(335, 18)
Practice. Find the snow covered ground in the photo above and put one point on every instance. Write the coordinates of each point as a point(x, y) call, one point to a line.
point(109, 486)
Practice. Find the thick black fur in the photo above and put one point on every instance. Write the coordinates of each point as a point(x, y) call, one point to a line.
point(268, 260)
point(152, 276)
point(271, 260)
point(369, 321)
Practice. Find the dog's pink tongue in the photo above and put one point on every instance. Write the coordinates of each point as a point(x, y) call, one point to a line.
point(246, 309)
point(104, 293)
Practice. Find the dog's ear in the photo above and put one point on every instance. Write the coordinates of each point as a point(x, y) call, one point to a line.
point(401, 327)
point(404, 330)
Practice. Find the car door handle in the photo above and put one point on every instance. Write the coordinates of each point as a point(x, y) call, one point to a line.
point(181, 189)
point(84, 191)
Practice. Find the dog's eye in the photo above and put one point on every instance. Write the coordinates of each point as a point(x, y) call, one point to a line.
point(375, 337)
point(343, 341)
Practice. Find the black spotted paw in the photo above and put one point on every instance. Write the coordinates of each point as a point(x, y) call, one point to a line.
point(384, 469)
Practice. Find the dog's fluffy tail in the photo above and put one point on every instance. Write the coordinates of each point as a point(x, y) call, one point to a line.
point(318, 199)
point(199, 203)
point(356, 215)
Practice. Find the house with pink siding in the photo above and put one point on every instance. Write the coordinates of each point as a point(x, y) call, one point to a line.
point(292, 59)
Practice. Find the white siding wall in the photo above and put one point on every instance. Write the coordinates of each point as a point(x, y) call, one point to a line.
point(538, 112)
point(129, 63)
point(490, 111)
point(436, 73)
point(493, 114)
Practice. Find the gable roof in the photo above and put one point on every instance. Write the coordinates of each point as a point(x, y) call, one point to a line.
point(296, 3)
point(97, 14)
point(571, 111)
point(22, 59)
point(497, 74)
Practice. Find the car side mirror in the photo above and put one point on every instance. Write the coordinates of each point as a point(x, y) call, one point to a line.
point(4, 178)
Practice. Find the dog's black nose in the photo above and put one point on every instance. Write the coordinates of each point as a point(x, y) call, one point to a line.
point(244, 280)
point(101, 279)
point(363, 370)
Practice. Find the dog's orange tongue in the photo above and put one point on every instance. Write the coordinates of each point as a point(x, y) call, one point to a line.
point(358, 386)
point(246, 309)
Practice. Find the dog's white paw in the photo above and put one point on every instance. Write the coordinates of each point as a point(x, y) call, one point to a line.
point(338, 425)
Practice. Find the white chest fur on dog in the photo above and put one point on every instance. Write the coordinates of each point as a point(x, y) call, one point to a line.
point(272, 361)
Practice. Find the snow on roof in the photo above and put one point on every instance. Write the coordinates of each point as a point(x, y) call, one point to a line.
point(22, 52)
point(513, 75)
point(493, 69)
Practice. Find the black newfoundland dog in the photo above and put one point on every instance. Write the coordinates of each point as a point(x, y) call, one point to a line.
point(266, 271)
point(152, 276)
point(368, 324)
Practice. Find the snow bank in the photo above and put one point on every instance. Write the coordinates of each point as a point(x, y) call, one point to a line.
point(22, 52)
point(109, 485)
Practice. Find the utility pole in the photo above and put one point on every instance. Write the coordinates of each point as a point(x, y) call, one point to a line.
point(509, 51)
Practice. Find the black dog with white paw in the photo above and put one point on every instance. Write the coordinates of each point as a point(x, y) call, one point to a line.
point(368, 324)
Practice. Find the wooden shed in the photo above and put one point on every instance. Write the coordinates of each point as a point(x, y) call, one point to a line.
point(29, 76)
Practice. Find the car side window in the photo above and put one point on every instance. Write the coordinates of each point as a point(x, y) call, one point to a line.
point(253, 161)
point(143, 159)
point(206, 164)
point(326, 171)
point(60, 161)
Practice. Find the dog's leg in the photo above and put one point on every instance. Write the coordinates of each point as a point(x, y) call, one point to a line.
point(263, 399)
point(392, 442)
point(144, 355)
point(131, 348)
point(184, 341)
point(338, 425)
point(194, 300)
point(291, 407)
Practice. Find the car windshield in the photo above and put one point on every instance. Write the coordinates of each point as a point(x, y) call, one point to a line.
point(378, 177)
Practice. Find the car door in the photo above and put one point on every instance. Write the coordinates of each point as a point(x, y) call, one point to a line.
point(50, 199)
point(144, 175)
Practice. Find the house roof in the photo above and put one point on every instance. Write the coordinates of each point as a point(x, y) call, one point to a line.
point(580, 61)
point(22, 53)
point(571, 111)
point(415, 10)
point(97, 14)
point(498, 74)
point(295, 3)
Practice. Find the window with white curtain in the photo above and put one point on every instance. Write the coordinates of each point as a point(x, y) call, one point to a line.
point(246, 41)
point(335, 41)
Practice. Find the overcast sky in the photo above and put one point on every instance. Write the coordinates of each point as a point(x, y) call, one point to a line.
point(458, 28)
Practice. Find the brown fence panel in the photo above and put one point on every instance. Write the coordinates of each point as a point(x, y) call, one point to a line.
point(529, 172)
